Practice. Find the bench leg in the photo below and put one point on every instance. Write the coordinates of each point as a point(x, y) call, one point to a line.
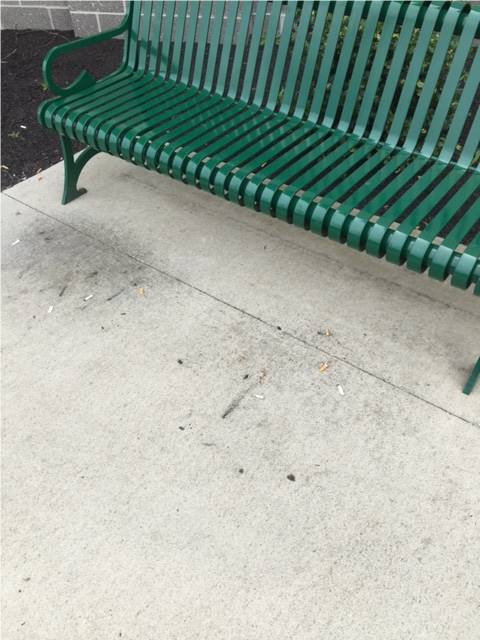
point(73, 168)
point(472, 379)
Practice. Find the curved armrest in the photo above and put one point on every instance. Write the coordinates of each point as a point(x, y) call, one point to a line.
point(84, 79)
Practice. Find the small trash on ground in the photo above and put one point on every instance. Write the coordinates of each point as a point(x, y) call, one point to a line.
point(15, 242)
point(180, 361)
point(241, 470)
point(291, 477)
point(62, 291)
point(327, 332)
point(257, 395)
point(50, 309)
point(22, 126)
point(340, 390)
point(114, 295)
point(4, 167)
point(323, 367)
point(141, 291)
point(89, 297)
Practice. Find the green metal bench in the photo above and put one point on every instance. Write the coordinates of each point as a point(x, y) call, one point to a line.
point(356, 120)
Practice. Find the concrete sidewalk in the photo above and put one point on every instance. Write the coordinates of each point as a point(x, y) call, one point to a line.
point(162, 381)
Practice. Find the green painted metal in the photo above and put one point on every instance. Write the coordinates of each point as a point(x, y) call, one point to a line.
point(73, 168)
point(472, 379)
point(359, 121)
point(84, 80)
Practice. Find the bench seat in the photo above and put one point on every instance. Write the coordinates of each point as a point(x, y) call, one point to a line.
point(319, 178)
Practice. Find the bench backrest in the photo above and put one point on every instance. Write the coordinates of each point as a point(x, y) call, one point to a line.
point(403, 73)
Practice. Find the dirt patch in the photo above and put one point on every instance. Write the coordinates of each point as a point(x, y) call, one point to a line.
point(26, 146)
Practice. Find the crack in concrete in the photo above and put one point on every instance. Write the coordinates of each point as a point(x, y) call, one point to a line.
point(212, 296)
point(291, 243)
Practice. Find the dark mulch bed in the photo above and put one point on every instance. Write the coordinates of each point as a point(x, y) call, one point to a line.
point(27, 147)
